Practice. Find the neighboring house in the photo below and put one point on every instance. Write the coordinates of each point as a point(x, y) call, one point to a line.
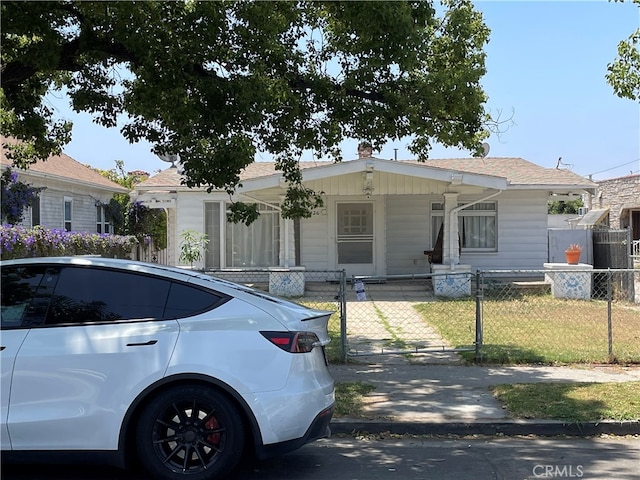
point(619, 200)
point(379, 216)
point(73, 198)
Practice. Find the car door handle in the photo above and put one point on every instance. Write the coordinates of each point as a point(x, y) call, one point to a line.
point(142, 344)
point(2, 348)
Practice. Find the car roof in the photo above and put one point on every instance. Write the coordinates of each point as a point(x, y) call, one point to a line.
point(117, 263)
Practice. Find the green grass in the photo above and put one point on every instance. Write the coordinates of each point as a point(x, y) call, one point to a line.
point(572, 402)
point(539, 329)
point(395, 341)
point(349, 398)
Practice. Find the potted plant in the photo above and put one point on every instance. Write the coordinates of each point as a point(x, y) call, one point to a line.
point(572, 253)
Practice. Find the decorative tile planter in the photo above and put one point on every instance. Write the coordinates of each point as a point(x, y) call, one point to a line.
point(451, 282)
point(286, 282)
point(569, 281)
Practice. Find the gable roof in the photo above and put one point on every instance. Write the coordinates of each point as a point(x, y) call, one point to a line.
point(64, 168)
point(517, 171)
point(510, 172)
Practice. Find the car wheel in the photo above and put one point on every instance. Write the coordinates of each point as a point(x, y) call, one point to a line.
point(190, 432)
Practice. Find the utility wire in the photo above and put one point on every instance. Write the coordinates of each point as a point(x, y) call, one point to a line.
point(613, 168)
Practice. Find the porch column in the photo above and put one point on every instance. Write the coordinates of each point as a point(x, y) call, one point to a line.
point(287, 240)
point(287, 247)
point(450, 250)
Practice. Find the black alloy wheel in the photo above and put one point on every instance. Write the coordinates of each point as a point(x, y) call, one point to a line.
point(190, 432)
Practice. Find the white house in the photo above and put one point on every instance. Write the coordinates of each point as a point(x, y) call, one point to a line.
point(379, 216)
point(74, 194)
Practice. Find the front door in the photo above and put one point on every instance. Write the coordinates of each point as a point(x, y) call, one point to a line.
point(635, 224)
point(355, 240)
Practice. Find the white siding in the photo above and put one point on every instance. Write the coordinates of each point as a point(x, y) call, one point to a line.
point(382, 183)
point(521, 223)
point(522, 233)
point(315, 242)
point(407, 230)
point(83, 214)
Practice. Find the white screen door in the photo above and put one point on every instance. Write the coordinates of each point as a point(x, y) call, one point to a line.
point(355, 249)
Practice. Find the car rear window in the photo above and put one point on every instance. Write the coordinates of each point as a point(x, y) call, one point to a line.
point(185, 301)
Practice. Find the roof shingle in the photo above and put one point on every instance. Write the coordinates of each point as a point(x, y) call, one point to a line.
point(517, 171)
point(64, 167)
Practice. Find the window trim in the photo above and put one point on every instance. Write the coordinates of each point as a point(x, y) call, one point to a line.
point(102, 223)
point(437, 210)
point(67, 222)
point(35, 215)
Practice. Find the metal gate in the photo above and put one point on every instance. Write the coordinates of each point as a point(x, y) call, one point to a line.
point(400, 315)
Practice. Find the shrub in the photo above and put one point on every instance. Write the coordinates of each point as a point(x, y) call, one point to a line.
point(20, 242)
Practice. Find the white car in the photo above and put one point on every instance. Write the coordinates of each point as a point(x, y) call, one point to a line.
point(113, 360)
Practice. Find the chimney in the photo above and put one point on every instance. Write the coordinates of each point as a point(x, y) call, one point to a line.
point(365, 150)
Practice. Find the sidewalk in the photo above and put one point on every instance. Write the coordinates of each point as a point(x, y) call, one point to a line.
point(425, 399)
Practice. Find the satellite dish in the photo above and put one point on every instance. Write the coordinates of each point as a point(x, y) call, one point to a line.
point(171, 158)
point(485, 149)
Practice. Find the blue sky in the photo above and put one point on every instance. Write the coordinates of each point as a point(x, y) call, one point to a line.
point(546, 63)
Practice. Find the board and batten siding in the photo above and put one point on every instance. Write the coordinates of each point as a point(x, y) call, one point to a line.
point(522, 233)
point(407, 231)
point(383, 184)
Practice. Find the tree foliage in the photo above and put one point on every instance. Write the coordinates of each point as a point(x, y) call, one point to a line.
point(133, 218)
point(216, 82)
point(564, 207)
point(623, 74)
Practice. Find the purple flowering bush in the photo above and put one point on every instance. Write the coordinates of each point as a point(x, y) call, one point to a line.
point(20, 242)
point(16, 196)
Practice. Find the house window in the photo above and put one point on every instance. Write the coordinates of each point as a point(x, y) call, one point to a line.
point(256, 245)
point(102, 220)
point(253, 246)
point(68, 204)
point(35, 212)
point(477, 226)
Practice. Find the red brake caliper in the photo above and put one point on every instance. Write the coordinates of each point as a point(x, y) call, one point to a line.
point(212, 424)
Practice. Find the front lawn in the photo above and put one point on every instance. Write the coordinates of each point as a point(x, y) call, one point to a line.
point(539, 329)
point(572, 402)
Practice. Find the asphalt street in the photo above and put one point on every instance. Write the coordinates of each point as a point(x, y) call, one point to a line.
point(412, 458)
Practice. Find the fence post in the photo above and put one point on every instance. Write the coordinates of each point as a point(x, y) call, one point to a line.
point(609, 322)
point(342, 299)
point(478, 342)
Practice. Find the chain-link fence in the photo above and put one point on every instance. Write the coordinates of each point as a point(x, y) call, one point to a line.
point(567, 316)
point(573, 315)
point(319, 289)
point(394, 315)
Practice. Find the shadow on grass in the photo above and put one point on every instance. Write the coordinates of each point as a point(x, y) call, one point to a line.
point(504, 355)
point(571, 402)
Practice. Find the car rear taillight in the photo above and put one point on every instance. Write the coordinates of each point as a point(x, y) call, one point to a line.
point(293, 342)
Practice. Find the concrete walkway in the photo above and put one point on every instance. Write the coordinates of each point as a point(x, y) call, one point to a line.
point(456, 399)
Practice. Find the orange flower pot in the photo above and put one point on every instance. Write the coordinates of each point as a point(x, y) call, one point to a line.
point(572, 256)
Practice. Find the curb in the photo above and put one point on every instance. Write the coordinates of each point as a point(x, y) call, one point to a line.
point(513, 428)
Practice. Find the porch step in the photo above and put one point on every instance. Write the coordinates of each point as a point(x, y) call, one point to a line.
point(536, 287)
